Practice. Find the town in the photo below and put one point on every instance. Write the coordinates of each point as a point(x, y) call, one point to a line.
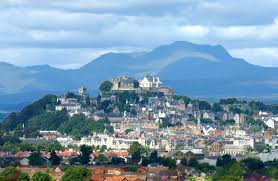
point(141, 130)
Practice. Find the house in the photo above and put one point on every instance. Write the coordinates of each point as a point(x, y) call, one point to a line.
point(111, 141)
point(188, 154)
point(65, 140)
point(208, 115)
point(23, 154)
point(207, 129)
point(150, 82)
point(24, 162)
point(67, 155)
point(270, 123)
point(49, 135)
point(234, 150)
point(215, 147)
point(70, 106)
point(239, 118)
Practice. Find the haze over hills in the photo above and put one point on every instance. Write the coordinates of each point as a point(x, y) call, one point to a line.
point(191, 69)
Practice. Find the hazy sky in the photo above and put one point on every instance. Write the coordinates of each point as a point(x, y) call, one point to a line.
point(70, 33)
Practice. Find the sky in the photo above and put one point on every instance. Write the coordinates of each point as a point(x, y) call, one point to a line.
point(70, 33)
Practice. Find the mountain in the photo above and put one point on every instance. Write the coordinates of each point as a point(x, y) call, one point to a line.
point(191, 69)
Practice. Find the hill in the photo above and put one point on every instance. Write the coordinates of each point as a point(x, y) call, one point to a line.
point(191, 69)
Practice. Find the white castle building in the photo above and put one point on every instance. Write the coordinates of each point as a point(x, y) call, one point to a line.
point(150, 82)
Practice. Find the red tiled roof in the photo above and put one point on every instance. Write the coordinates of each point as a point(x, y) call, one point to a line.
point(99, 170)
point(94, 154)
point(67, 153)
point(120, 154)
point(22, 154)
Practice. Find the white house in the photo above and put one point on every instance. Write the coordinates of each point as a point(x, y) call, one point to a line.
point(110, 141)
point(72, 107)
point(150, 82)
point(270, 123)
point(207, 129)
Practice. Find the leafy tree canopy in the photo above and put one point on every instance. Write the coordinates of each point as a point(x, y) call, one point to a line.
point(136, 150)
point(54, 158)
point(13, 174)
point(106, 86)
point(35, 159)
point(28, 112)
point(77, 173)
point(40, 176)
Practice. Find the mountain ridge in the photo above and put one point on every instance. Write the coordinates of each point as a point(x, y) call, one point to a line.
point(191, 69)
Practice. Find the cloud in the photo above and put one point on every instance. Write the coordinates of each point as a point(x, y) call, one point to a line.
point(266, 56)
point(263, 32)
point(194, 30)
point(57, 27)
point(68, 58)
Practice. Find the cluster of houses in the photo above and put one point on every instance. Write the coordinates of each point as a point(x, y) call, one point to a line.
point(269, 119)
point(215, 139)
point(187, 136)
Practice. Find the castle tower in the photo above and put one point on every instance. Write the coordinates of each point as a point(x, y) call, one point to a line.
point(82, 91)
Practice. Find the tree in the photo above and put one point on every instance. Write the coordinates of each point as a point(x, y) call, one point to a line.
point(193, 162)
point(13, 174)
point(35, 159)
point(145, 161)
point(2, 132)
point(101, 158)
point(136, 150)
point(88, 101)
point(86, 151)
point(229, 101)
point(117, 160)
point(164, 123)
point(18, 131)
point(106, 86)
point(206, 121)
point(257, 106)
point(77, 173)
point(273, 108)
point(40, 176)
point(23, 177)
point(184, 161)
point(54, 158)
point(70, 95)
point(79, 125)
point(153, 157)
point(224, 160)
point(205, 168)
point(253, 164)
point(216, 107)
point(203, 105)
point(103, 148)
point(168, 162)
point(233, 171)
point(272, 173)
point(9, 147)
point(128, 131)
point(235, 110)
point(29, 112)
point(48, 120)
point(236, 169)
